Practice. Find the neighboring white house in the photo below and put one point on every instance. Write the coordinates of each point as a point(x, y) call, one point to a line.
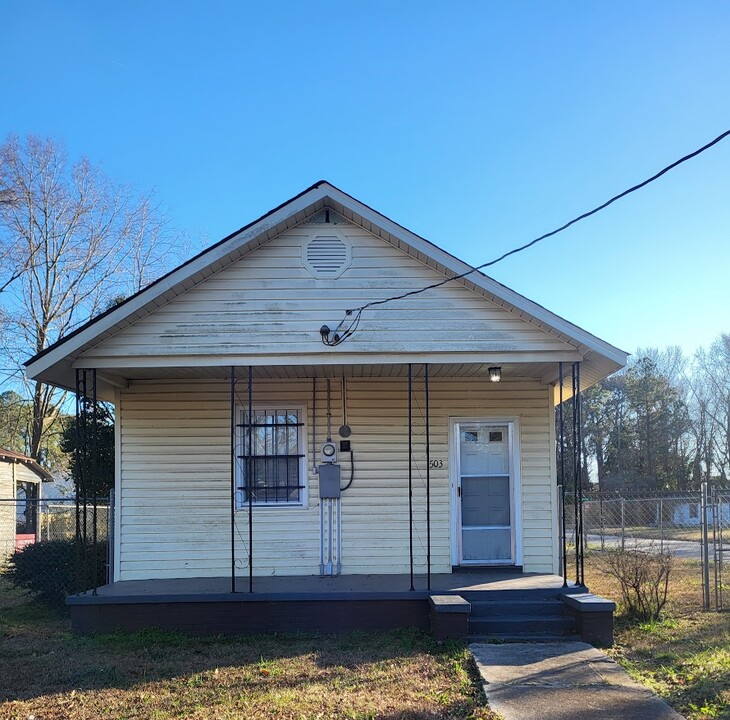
point(21, 481)
point(258, 299)
point(689, 514)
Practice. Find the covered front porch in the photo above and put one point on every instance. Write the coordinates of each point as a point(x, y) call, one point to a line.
point(202, 447)
point(373, 552)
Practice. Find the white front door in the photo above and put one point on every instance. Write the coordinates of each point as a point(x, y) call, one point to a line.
point(485, 505)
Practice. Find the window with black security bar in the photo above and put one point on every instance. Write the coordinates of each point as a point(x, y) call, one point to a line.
point(270, 457)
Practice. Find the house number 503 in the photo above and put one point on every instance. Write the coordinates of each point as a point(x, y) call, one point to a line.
point(436, 463)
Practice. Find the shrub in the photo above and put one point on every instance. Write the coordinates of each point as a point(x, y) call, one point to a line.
point(53, 569)
point(643, 575)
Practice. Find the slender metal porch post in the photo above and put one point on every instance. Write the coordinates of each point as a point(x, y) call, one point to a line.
point(233, 479)
point(410, 469)
point(579, 435)
point(561, 434)
point(94, 478)
point(428, 483)
point(249, 478)
point(86, 457)
point(78, 481)
point(576, 526)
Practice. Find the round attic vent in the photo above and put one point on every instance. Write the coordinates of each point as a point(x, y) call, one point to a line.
point(327, 255)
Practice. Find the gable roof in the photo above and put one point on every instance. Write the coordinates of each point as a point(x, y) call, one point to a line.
point(11, 456)
point(290, 213)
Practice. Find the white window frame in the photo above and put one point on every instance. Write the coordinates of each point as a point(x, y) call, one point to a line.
point(241, 501)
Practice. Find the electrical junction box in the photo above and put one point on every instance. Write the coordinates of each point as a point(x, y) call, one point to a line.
point(329, 481)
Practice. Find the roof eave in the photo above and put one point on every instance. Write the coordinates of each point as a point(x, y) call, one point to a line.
point(31, 464)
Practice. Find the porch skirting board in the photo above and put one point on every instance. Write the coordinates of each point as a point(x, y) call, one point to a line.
point(252, 618)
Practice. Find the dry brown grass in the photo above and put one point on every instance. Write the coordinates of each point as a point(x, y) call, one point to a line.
point(685, 656)
point(50, 674)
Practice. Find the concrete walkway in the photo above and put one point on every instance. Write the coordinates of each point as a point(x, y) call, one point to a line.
point(562, 681)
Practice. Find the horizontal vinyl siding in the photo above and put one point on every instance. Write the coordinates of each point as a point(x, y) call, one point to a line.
point(268, 303)
point(175, 468)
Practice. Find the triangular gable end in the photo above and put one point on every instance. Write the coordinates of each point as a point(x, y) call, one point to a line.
point(268, 307)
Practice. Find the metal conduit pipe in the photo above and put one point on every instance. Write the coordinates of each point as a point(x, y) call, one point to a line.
point(329, 537)
point(321, 536)
point(333, 522)
point(329, 411)
point(314, 424)
point(339, 536)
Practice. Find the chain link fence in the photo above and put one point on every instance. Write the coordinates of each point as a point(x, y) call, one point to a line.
point(694, 527)
point(39, 549)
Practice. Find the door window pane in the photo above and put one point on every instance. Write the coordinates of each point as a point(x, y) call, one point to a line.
point(480, 454)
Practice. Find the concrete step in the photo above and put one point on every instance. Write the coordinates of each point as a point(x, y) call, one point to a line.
point(536, 594)
point(495, 608)
point(521, 625)
point(523, 637)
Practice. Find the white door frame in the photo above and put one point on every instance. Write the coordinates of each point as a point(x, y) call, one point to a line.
point(515, 463)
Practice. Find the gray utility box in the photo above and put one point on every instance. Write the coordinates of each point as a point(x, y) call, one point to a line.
point(329, 481)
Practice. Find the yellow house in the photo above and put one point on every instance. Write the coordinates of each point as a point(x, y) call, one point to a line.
point(269, 427)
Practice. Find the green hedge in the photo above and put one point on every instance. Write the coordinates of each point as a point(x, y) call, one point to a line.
point(54, 569)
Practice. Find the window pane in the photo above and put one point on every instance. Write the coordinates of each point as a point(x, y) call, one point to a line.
point(274, 465)
point(282, 446)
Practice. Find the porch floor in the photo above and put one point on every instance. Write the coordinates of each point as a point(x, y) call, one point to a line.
point(314, 587)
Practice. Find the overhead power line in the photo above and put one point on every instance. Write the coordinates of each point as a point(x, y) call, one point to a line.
point(352, 317)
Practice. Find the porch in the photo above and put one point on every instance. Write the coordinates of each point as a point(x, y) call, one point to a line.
point(496, 605)
point(315, 587)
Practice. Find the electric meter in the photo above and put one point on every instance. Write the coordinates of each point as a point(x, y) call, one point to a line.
point(329, 452)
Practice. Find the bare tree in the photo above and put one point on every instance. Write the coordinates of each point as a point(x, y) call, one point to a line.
point(76, 241)
point(712, 395)
point(13, 262)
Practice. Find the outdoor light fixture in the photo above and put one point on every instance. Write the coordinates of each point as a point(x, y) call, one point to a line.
point(495, 374)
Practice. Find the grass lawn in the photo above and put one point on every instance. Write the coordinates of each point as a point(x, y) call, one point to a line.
point(685, 657)
point(48, 673)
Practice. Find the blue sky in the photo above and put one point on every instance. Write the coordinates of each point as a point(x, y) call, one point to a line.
point(478, 125)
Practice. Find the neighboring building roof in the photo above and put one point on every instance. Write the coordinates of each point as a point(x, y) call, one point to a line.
point(13, 457)
point(55, 363)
